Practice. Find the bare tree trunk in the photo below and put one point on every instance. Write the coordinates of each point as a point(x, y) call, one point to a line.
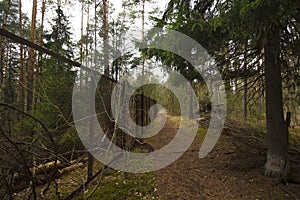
point(245, 85)
point(30, 78)
point(42, 23)
point(6, 65)
point(143, 37)
point(38, 66)
point(2, 53)
point(22, 88)
point(115, 48)
point(105, 36)
point(277, 131)
point(87, 42)
point(293, 106)
point(81, 45)
point(31, 63)
point(91, 123)
point(2, 42)
point(262, 92)
point(245, 93)
point(95, 29)
point(90, 156)
point(91, 127)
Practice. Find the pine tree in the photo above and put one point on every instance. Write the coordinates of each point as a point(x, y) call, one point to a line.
point(263, 24)
point(57, 78)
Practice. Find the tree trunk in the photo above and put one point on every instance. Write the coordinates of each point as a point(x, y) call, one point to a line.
point(277, 159)
point(30, 79)
point(245, 100)
point(294, 106)
point(39, 64)
point(143, 38)
point(91, 128)
point(245, 85)
point(87, 41)
point(3, 59)
point(105, 37)
point(22, 68)
point(95, 31)
point(31, 63)
point(81, 45)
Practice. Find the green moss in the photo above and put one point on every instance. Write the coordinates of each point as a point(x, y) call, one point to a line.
point(119, 185)
point(294, 138)
point(295, 132)
point(139, 151)
point(201, 133)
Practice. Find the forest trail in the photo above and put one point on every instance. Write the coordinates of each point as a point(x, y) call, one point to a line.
point(233, 170)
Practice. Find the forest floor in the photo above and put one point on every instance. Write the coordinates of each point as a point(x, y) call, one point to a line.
point(233, 170)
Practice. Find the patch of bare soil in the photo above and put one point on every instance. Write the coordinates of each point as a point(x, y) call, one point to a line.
point(233, 170)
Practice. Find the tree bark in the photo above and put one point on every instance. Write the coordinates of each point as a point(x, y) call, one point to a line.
point(277, 131)
point(87, 41)
point(143, 38)
point(81, 45)
point(91, 128)
point(31, 63)
point(22, 68)
point(3, 59)
point(245, 85)
point(294, 106)
point(245, 99)
point(95, 30)
point(39, 64)
point(105, 37)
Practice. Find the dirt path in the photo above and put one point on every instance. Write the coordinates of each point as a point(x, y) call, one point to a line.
point(233, 170)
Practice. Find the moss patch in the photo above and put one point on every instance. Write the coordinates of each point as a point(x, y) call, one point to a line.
point(120, 185)
point(294, 138)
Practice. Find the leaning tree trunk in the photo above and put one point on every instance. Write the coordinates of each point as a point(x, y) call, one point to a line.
point(277, 131)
